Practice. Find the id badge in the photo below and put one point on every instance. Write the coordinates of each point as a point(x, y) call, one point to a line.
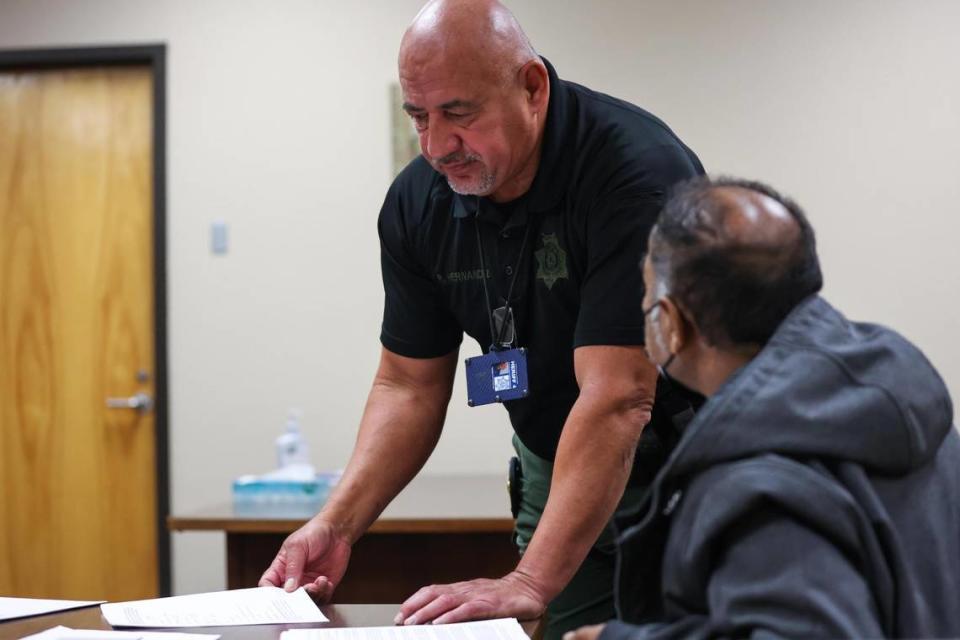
point(497, 376)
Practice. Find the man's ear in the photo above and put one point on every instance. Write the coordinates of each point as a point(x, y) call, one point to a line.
point(674, 325)
point(536, 84)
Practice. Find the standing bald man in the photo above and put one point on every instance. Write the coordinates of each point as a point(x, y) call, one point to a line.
point(522, 225)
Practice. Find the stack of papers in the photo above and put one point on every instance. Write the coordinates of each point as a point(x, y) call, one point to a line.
point(260, 605)
point(502, 629)
point(11, 608)
point(66, 633)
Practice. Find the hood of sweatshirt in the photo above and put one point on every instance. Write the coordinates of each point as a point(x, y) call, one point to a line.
point(824, 387)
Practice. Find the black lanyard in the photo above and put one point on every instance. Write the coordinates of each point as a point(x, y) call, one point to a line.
point(508, 311)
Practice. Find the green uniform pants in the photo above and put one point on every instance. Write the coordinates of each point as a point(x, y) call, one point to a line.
point(588, 599)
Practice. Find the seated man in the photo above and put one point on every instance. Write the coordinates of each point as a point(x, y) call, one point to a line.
point(817, 493)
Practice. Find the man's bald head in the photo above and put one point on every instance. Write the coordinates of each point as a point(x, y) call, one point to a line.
point(480, 34)
point(478, 96)
point(735, 255)
point(749, 217)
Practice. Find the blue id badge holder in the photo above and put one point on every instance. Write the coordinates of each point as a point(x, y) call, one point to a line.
point(497, 376)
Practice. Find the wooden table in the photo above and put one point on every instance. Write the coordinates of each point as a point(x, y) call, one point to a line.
point(344, 615)
point(439, 529)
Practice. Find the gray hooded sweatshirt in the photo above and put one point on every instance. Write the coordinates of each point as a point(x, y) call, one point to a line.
point(817, 494)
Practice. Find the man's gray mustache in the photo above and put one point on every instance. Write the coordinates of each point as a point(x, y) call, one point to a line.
point(457, 158)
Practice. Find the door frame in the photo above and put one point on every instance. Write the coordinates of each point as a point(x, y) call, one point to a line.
point(154, 56)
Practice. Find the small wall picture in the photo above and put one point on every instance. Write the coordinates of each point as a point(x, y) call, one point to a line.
point(406, 146)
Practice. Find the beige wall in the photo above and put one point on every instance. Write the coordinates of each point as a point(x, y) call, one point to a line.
point(278, 123)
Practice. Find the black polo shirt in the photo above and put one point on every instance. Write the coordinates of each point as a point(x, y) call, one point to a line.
point(605, 168)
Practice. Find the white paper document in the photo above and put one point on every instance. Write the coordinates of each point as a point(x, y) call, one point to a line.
point(11, 608)
point(260, 605)
point(66, 633)
point(502, 629)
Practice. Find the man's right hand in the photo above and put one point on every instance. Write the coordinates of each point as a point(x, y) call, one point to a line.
point(314, 557)
point(400, 427)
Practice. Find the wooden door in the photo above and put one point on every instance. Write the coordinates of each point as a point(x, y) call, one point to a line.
point(78, 504)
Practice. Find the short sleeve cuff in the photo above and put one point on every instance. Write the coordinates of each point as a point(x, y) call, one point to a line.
point(615, 336)
point(414, 350)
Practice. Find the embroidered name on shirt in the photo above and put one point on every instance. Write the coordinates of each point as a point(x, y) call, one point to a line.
point(463, 276)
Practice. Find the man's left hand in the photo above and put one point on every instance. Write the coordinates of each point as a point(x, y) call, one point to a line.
point(585, 633)
point(512, 596)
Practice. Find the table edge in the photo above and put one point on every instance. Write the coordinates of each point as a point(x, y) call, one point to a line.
point(385, 525)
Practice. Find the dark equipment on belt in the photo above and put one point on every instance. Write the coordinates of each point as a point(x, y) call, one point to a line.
point(515, 485)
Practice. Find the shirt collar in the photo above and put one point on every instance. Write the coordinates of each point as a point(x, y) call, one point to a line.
point(490, 212)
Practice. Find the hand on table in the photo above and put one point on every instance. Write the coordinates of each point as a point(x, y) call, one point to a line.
point(585, 633)
point(313, 557)
point(513, 596)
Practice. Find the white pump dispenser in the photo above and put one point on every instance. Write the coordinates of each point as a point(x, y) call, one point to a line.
point(291, 447)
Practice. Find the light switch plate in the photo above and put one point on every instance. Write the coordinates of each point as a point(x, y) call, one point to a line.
point(218, 237)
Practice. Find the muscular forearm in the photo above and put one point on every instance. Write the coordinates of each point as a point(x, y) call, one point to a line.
point(593, 462)
point(590, 474)
point(592, 466)
point(400, 427)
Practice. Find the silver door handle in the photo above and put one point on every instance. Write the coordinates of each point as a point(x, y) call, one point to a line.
point(142, 402)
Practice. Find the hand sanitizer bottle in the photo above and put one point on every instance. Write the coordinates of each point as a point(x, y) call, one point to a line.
point(291, 447)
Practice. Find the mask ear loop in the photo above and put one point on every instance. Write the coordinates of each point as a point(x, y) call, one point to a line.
point(662, 368)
